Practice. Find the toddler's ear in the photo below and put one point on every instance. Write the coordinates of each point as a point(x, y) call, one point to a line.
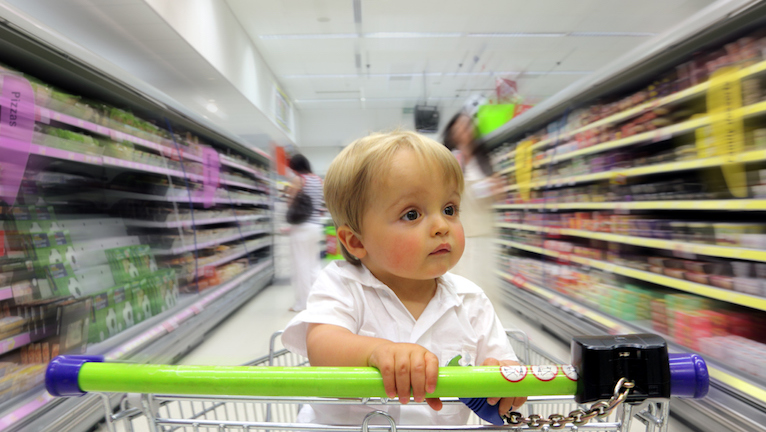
point(351, 242)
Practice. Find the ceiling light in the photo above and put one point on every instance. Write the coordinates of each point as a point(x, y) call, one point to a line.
point(310, 36)
point(607, 34)
point(409, 35)
point(516, 34)
point(212, 107)
point(557, 72)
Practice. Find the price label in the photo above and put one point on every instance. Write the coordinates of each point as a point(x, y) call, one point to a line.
point(565, 257)
point(724, 100)
point(662, 134)
point(169, 326)
point(519, 280)
point(44, 116)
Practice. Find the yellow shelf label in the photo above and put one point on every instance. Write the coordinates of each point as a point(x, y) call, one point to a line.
point(724, 100)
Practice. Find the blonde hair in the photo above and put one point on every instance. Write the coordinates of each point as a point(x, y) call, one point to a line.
point(351, 176)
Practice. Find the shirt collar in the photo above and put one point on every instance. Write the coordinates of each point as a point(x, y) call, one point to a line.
point(448, 292)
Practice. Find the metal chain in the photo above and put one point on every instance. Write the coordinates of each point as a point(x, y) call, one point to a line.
point(577, 417)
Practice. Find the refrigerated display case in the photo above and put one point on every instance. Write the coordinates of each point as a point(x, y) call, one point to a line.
point(129, 225)
point(634, 203)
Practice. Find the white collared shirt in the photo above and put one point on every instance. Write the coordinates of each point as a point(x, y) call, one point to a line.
point(459, 320)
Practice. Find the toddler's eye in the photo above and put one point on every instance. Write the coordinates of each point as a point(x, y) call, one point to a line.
point(411, 215)
point(450, 210)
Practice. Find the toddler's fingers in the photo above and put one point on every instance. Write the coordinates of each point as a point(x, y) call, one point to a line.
point(434, 403)
point(505, 405)
point(491, 362)
point(418, 376)
point(386, 369)
point(402, 373)
point(432, 372)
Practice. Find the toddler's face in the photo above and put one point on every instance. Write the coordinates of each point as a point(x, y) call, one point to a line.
point(411, 229)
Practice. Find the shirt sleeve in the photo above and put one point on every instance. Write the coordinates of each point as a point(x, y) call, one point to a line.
point(331, 301)
point(493, 342)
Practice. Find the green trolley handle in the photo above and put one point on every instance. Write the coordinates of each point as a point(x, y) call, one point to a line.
point(77, 375)
point(599, 363)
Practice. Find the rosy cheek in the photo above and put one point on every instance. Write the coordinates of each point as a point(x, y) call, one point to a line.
point(404, 250)
point(459, 235)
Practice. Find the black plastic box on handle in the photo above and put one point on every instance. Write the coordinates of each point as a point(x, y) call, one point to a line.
point(601, 361)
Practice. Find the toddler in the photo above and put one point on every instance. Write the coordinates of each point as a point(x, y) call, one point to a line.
point(395, 201)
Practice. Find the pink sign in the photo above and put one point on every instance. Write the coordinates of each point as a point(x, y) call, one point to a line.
point(17, 123)
point(211, 168)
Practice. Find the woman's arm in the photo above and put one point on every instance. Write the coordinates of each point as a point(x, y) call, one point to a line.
point(295, 185)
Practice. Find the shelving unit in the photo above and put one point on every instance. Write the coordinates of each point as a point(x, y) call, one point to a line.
point(143, 231)
point(615, 223)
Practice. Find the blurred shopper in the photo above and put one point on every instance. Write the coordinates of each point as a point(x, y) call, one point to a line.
point(305, 237)
point(481, 189)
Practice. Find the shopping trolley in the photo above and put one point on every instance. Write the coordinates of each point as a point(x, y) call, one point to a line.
point(255, 398)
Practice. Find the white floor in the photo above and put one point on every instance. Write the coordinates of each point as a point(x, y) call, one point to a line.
point(245, 335)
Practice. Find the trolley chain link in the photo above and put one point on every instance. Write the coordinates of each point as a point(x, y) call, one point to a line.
point(577, 417)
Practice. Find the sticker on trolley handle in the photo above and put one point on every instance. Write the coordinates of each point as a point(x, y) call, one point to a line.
point(513, 373)
point(570, 372)
point(545, 372)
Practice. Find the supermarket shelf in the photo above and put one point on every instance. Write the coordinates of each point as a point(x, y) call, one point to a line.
point(175, 331)
point(99, 160)
point(211, 243)
point(751, 156)
point(682, 96)
point(233, 256)
point(719, 294)
point(695, 248)
point(187, 223)
point(232, 164)
point(11, 343)
point(182, 198)
point(521, 282)
point(617, 326)
point(45, 115)
point(730, 205)
point(240, 185)
point(6, 293)
point(661, 134)
point(174, 322)
point(115, 162)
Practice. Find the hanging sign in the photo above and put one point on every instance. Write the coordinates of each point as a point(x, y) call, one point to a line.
point(17, 123)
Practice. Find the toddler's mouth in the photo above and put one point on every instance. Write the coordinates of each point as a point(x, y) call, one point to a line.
point(442, 249)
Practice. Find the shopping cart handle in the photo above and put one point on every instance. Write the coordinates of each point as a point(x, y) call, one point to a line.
point(597, 365)
point(62, 375)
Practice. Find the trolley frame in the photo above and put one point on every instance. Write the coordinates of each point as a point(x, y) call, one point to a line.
point(164, 413)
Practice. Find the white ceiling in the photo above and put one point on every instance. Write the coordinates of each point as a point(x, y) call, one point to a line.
point(322, 72)
point(322, 76)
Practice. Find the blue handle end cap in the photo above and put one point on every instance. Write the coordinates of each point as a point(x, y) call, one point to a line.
point(484, 410)
point(62, 373)
point(689, 377)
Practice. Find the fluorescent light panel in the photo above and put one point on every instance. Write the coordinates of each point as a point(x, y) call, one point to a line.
point(310, 36)
point(516, 35)
point(611, 34)
point(418, 35)
point(410, 35)
point(434, 74)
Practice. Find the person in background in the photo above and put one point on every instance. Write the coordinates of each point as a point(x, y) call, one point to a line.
point(305, 237)
point(395, 201)
point(482, 188)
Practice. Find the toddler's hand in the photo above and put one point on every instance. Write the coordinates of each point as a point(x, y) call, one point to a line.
point(407, 366)
point(509, 403)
